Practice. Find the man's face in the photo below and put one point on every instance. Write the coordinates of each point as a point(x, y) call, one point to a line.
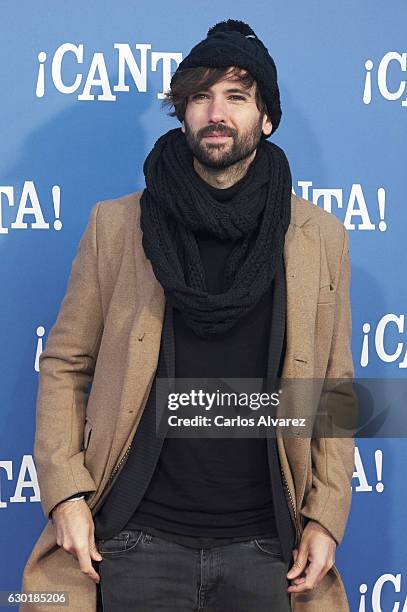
point(223, 124)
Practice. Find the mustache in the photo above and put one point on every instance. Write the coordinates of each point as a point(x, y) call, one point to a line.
point(220, 130)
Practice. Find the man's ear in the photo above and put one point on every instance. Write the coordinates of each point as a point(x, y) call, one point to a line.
point(267, 125)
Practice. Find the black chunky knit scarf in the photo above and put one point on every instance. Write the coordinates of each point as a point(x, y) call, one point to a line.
point(175, 205)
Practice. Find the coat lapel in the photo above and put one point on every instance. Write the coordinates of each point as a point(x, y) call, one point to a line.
point(142, 351)
point(301, 255)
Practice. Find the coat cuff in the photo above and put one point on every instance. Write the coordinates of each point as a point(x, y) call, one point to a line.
point(71, 479)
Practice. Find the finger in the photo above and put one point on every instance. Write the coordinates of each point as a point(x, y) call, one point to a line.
point(86, 566)
point(298, 588)
point(313, 578)
point(299, 564)
point(299, 580)
point(302, 578)
point(303, 587)
point(313, 573)
point(94, 553)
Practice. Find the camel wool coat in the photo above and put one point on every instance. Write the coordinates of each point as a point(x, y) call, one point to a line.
point(107, 334)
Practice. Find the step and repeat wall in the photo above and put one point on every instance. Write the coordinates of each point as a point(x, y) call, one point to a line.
point(81, 92)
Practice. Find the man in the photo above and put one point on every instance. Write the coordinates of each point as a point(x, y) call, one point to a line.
point(214, 270)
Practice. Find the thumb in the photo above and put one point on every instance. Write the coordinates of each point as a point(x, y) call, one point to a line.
point(300, 561)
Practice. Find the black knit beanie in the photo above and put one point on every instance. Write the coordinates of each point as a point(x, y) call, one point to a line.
point(233, 43)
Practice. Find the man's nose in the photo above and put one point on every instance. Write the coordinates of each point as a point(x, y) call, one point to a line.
point(217, 111)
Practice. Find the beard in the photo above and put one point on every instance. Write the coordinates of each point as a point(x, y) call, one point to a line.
point(223, 154)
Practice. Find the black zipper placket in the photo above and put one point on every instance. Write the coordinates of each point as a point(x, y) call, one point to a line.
point(292, 505)
point(112, 478)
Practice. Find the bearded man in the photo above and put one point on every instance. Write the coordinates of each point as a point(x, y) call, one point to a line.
point(215, 269)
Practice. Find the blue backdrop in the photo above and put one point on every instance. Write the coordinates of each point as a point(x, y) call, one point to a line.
point(81, 89)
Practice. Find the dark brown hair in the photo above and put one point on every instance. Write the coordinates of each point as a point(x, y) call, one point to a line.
point(191, 80)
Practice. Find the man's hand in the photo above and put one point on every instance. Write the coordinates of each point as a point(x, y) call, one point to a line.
point(75, 532)
point(317, 546)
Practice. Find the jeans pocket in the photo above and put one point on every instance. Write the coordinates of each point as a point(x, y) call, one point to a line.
point(121, 543)
point(269, 546)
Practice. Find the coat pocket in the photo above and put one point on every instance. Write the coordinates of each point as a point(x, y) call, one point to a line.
point(327, 295)
point(86, 434)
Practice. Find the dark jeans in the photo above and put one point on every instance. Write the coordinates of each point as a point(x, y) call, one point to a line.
point(142, 572)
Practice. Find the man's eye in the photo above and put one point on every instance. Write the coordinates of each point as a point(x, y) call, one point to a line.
point(232, 96)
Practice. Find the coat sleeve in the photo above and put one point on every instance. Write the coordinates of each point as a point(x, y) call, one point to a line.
point(66, 368)
point(329, 499)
